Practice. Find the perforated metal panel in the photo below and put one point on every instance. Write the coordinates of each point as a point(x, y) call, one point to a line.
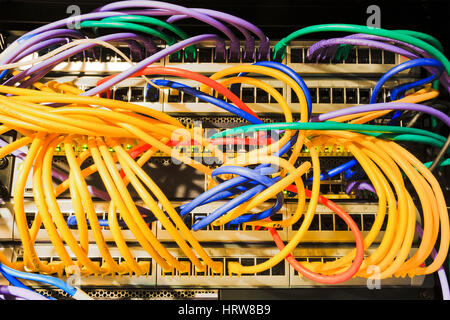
point(135, 294)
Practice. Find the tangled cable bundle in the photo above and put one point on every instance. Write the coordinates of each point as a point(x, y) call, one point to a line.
point(93, 132)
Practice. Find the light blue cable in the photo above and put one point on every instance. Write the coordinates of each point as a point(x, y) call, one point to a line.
point(41, 278)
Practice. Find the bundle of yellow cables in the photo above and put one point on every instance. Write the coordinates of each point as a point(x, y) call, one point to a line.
point(107, 124)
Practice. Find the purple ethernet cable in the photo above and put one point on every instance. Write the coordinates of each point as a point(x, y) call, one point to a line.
point(135, 49)
point(28, 41)
point(445, 79)
point(240, 24)
point(315, 51)
point(39, 46)
point(176, 9)
point(41, 73)
point(34, 78)
point(330, 46)
point(360, 36)
point(406, 45)
point(409, 48)
point(64, 55)
point(249, 40)
point(38, 34)
point(149, 46)
point(220, 45)
point(47, 31)
point(20, 293)
point(52, 30)
point(360, 185)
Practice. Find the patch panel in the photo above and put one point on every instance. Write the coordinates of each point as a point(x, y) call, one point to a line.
point(359, 61)
point(281, 275)
point(98, 60)
point(206, 60)
point(65, 205)
point(321, 255)
point(325, 228)
point(130, 90)
point(225, 233)
point(278, 276)
point(47, 253)
point(328, 227)
point(179, 181)
point(178, 102)
point(327, 94)
point(162, 168)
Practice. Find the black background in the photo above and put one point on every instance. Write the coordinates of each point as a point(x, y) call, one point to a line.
point(277, 18)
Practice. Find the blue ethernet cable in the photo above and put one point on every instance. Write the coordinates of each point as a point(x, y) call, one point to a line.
point(264, 181)
point(223, 190)
point(422, 62)
point(12, 280)
point(288, 71)
point(185, 209)
point(205, 97)
point(397, 91)
point(231, 204)
point(73, 292)
point(72, 221)
point(208, 194)
point(332, 172)
point(218, 192)
point(4, 73)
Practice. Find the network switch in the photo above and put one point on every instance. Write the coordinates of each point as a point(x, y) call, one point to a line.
point(177, 166)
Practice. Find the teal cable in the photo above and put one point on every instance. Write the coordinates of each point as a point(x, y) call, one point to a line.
point(410, 138)
point(129, 26)
point(153, 21)
point(328, 125)
point(444, 163)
